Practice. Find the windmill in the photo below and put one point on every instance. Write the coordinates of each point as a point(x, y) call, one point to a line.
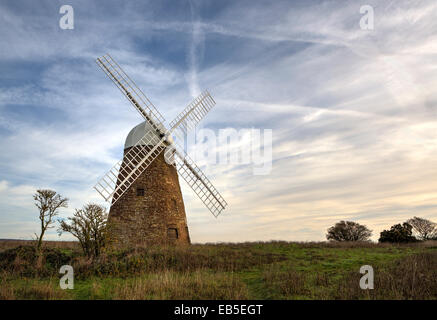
point(143, 188)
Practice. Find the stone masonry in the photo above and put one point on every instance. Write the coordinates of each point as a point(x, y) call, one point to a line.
point(152, 210)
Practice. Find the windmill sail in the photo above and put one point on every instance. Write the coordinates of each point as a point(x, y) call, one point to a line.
point(193, 113)
point(129, 89)
point(121, 176)
point(189, 171)
point(198, 181)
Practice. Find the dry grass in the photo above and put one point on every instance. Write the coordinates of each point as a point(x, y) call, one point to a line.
point(182, 259)
point(181, 286)
point(415, 277)
point(9, 244)
point(30, 289)
point(288, 282)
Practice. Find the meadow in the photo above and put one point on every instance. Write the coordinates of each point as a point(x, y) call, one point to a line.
point(256, 270)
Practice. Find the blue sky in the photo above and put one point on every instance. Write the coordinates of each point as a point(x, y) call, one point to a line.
point(353, 112)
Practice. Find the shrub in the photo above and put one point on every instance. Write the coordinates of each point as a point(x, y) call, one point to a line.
point(28, 261)
point(398, 234)
point(89, 226)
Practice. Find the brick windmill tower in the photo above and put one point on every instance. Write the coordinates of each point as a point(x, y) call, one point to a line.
point(143, 188)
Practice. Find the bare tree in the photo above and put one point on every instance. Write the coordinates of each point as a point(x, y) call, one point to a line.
point(48, 202)
point(425, 229)
point(348, 231)
point(89, 225)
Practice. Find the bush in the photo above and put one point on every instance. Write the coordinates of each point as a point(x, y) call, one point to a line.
point(398, 234)
point(28, 261)
point(89, 226)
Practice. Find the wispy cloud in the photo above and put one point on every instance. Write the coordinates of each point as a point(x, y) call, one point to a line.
point(195, 48)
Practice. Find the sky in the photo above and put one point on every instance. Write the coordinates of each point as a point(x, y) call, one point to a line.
point(353, 112)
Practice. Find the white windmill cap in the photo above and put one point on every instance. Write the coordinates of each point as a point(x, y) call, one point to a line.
point(137, 133)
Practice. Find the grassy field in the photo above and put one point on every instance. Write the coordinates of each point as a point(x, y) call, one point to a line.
point(270, 270)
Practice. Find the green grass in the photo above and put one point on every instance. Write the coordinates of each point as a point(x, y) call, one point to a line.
point(332, 262)
point(272, 270)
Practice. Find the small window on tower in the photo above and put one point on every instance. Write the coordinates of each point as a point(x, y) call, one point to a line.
point(140, 192)
point(172, 233)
